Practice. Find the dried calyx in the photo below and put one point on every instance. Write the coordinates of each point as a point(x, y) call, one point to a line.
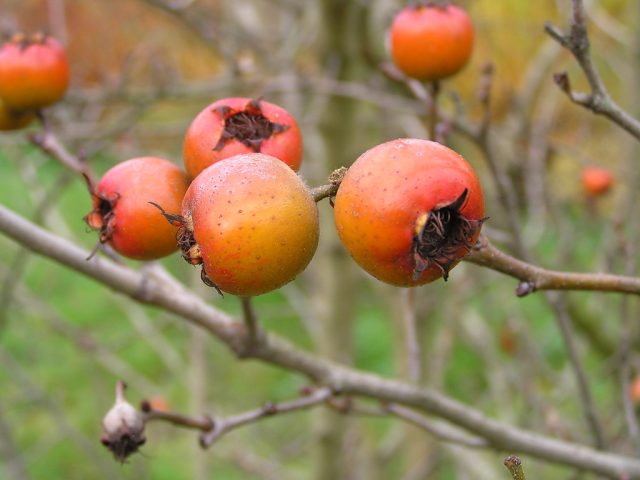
point(25, 41)
point(102, 217)
point(187, 243)
point(122, 427)
point(439, 236)
point(248, 126)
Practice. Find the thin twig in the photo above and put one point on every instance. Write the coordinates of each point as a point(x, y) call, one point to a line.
point(533, 278)
point(10, 454)
point(329, 190)
point(49, 143)
point(413, 347)
point(439, 430)
point(598, 100)
point(584, 390)
point(222, 426)
point(204, 424)
point(432, 119)
point(250, 320)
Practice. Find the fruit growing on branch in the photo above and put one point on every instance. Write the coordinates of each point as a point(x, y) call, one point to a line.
point(122, 427)
point(596, 181)
point(34, 72)
point(408, 210)
point(232, 126)
point(123, 215)
point(252, 223)
point(431, 41)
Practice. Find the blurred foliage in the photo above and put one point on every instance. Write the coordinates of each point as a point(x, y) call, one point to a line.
point(64, 340)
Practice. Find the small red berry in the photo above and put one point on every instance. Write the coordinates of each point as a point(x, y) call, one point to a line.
point(431, 42)
point(634, 390)
point(252, 223)
point(408, 210)
point(34, 72)
point(232, 126)
point(596, 181)
point(122, 212)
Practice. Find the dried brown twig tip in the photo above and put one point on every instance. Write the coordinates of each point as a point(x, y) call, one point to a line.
point(187, 243)
point(174, 219)
point(562, 80)
point(249, 126)
point(122, 427)
point(514, 465)
point(102, 218)
point(329, 190)
point(441, 234)
point(335, 177)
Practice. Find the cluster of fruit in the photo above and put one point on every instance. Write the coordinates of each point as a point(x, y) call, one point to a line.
point(34, 73)
point(407, 210)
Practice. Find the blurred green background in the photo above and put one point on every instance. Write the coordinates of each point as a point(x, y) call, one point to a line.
point(141, 72)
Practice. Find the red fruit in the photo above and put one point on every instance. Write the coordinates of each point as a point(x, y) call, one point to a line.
point(122, 212)
point(34, 72)
point(409, 210)
point(10, 120)
point(431, 42)
point(634, 390)
point(508, 340)
point(596, 181)
point(252, 222)
point(232, 126)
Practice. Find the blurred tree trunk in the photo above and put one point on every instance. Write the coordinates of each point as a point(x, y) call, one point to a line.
point(9, 453)
point(197, 382)
point(336, 295)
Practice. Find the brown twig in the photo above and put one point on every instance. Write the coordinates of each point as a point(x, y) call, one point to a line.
point(584, 390)
point(330, 189)
point(204, 424)
point(439, 430)
point(598, 100)
point(432, 119)
point(49, 143)
point(224, 425)
point(412, 343)
point(250, 320)
point(533, 278)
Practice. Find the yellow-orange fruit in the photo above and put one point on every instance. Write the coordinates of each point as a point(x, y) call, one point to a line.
point(254, 224)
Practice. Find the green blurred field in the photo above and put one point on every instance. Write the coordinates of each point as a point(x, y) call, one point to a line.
point(65, 340)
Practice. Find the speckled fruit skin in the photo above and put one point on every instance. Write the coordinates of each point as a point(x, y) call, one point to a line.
point(205, 130)
point(10, 120)
point(255, 222)
point(384, 193)
point(431, 42)
point(141, 231)
point(33, 75)
point(596, 181)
